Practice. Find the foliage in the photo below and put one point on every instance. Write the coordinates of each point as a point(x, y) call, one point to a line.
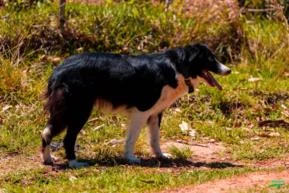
point(255, 46)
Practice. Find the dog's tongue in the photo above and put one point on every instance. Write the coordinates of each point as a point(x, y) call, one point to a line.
point(211, 80)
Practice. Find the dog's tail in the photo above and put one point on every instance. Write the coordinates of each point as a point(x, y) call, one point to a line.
point(56, 97)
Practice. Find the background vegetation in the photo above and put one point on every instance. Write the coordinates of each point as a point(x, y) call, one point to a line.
point(250, 36)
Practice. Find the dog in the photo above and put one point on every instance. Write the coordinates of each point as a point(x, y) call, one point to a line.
point(141, 86)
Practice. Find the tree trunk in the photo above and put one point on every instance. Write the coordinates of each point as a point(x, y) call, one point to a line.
point(62, 4)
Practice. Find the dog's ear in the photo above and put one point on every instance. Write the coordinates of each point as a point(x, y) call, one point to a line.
point(190, 54)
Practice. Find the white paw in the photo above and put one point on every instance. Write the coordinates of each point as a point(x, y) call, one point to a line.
point(54, 158)
point(76, 164)
point(164, 156)
point(132, 159)
point(47, 158)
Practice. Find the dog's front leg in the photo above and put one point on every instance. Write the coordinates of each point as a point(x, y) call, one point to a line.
point(138, 119)
point(154, 123)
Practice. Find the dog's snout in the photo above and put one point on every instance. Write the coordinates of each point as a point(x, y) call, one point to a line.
point(224, 70)
point(227, 72)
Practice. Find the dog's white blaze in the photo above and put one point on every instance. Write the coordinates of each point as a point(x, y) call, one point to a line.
point(223, 69)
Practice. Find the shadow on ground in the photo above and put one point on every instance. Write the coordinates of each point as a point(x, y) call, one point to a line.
point(153, 162)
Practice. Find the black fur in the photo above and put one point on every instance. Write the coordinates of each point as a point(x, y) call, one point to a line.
point(132, 81)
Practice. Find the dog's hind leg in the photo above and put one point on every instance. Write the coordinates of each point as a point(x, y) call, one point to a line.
point(78, 116)
point(56, 106)
point(138, 119)
point(154, 123)
point(53, 128)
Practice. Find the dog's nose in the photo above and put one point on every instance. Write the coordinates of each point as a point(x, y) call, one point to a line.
point(228, 72)
point(224, 70)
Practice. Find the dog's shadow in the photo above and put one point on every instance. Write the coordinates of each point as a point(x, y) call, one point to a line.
point(153, 163)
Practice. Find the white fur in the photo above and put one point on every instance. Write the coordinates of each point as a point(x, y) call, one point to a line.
point(45, 154)
point(154, 132)
point(46, 132)
point(168, 96)
point(138, 119)
point(223, 69)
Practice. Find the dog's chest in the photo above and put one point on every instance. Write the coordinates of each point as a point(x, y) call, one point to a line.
point(169, 95)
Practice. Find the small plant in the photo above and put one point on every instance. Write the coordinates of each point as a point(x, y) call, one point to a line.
point(180, 153)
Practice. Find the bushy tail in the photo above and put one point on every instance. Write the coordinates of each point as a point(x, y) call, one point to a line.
point(56, 98)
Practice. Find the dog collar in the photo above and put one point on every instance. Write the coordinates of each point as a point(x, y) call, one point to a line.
point(189, 84)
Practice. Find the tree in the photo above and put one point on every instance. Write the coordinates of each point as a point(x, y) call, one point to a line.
point(62, 19)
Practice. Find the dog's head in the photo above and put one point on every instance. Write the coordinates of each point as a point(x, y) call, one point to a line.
point(200, 61)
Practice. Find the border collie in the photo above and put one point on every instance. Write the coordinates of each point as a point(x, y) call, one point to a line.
point(142, 86)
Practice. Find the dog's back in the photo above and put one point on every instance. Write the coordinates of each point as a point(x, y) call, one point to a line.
point(119, 79)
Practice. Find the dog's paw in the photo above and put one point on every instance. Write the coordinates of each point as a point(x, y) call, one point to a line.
point(48, 159)
point(77, 164)
point(133, 160)
point(164, 156)
point(54, 158)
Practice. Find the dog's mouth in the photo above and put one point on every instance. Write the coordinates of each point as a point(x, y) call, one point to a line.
point(210, 79)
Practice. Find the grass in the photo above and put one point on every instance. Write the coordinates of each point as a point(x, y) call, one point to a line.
point(115, 179)
point(31, 47)
point(180, 153)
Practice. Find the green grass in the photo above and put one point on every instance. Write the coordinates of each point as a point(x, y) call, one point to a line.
point(180, 153)
point(115, 179)
point(31, 45)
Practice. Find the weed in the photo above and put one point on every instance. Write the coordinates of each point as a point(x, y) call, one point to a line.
point(178, 153)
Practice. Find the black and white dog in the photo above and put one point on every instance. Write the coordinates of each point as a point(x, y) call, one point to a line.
point(142, 86)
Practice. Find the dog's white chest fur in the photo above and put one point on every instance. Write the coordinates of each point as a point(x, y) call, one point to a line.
point(169, 95)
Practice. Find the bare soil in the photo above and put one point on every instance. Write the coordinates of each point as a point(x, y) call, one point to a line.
point(208, 152)
point(205, 156)
point(235, 184)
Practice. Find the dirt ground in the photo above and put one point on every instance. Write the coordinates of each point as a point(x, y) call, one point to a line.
point(235, 184)
point(205, 156)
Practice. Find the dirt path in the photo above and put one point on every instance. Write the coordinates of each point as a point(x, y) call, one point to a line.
point(235, 184)
point(17, 162)
point(212, 152)
point(203, 157)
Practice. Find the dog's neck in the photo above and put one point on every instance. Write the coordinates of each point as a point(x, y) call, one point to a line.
point(178, 58)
